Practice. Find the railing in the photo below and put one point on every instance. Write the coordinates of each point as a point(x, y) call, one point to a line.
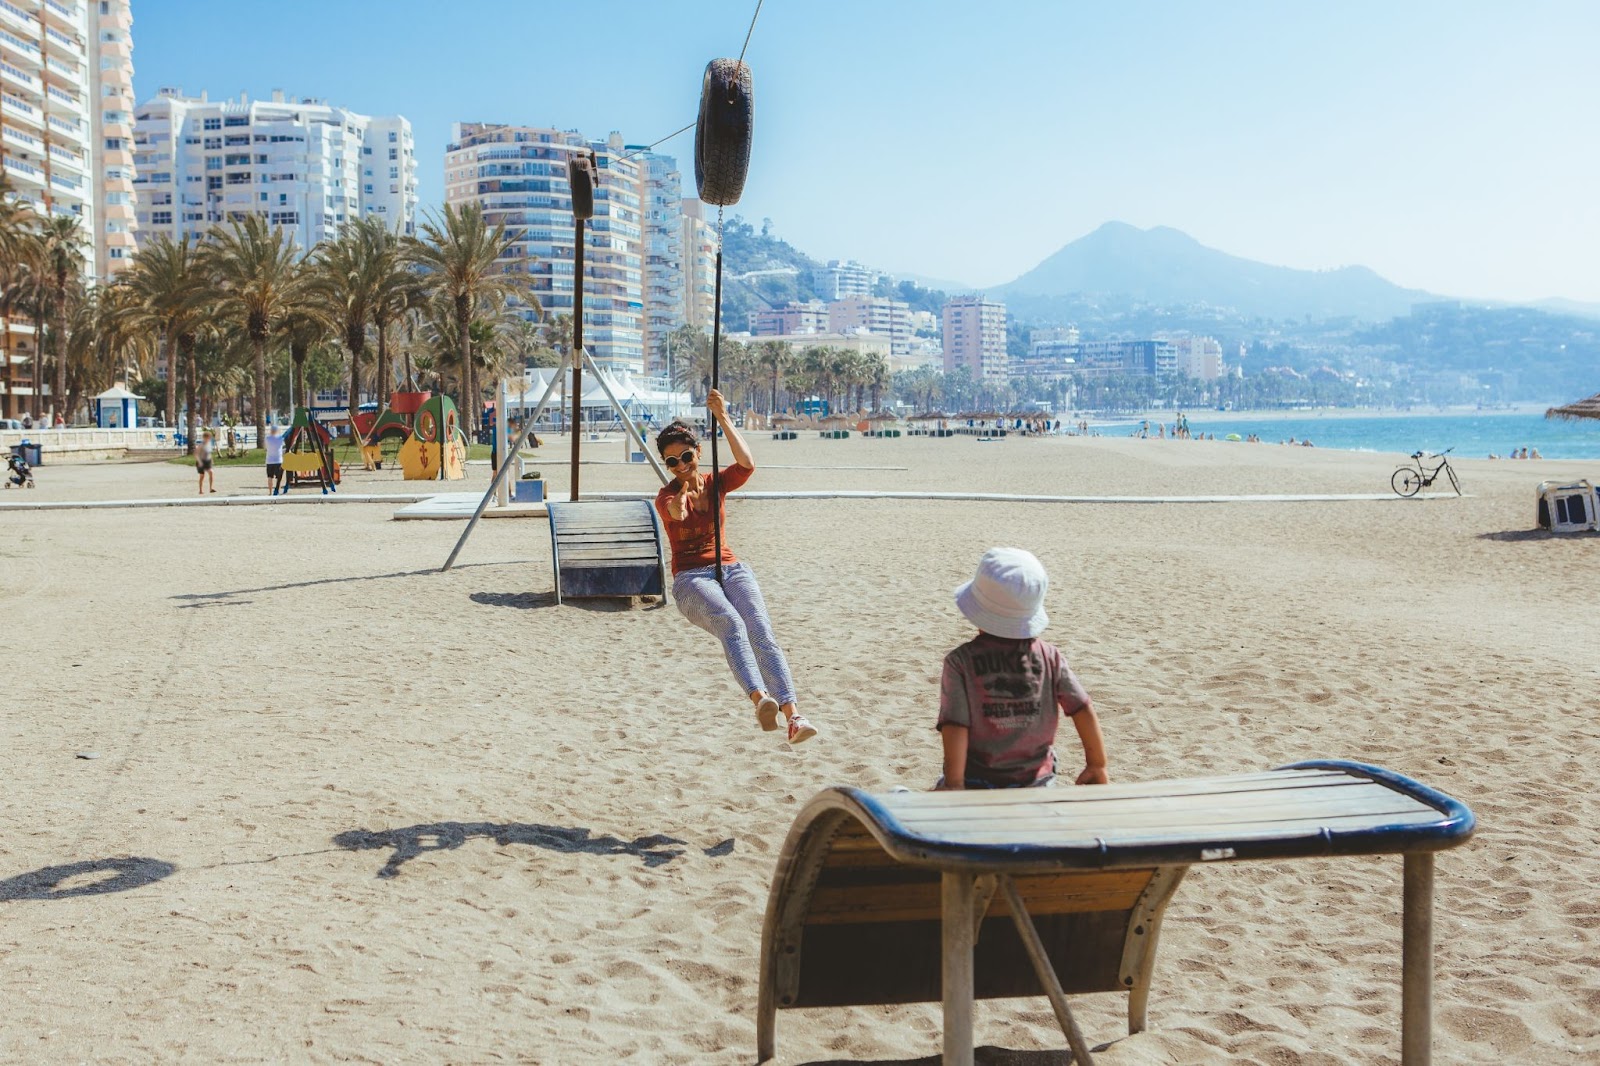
point(26, 168)
point(61, 9)
point(60, 38)
point(64, 97)
point(69, 158)
point(73, 129)
point(26, 138)
point(20, 75)
point(61, 68)
point(12, 103)
point(16, 12)
point(70, 184)
point(18, 43)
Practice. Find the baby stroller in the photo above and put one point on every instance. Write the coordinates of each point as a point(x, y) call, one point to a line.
point(19, 473)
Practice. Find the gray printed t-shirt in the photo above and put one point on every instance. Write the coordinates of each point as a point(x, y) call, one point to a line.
point(1006, 693)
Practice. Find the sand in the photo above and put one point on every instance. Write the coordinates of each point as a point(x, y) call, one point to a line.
point(368, 812)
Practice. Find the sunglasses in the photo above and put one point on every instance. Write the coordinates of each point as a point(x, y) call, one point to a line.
point(685, 458)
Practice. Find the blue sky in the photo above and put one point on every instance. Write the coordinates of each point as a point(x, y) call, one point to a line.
point(1449, 146)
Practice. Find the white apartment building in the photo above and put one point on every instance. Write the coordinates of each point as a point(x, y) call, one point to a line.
point(662, 203)
point(519, 176)
point(838, 280)
point(874, 314)
point(975, 337)
point(1198, 357)
point(302, 164)
point(65, 70)
point(699, 264)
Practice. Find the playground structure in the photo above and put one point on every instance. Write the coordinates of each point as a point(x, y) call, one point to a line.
point(409, 431)
point(308, 454)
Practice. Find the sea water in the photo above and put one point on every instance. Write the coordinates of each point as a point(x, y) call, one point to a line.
point(1473, 435)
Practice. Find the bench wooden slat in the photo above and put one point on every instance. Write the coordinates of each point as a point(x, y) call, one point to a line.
point(1116, 825)
point(1280, 780)
point(1262, 829)
point(1305, 802)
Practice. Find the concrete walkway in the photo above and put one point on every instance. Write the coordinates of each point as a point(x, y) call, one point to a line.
point(301, 497)
point(460, 505)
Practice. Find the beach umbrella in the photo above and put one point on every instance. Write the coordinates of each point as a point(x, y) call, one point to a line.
point(1589, 408)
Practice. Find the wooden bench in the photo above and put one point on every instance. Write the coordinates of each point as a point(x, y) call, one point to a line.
point(607, 549)
point(920, 896)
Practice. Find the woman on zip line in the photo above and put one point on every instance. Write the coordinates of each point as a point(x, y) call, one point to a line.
point(733, 610)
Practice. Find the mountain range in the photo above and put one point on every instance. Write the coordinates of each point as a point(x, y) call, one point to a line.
point(1166, 267)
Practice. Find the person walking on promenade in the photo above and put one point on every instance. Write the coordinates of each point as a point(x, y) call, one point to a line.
point(204, 458)
point(732, 611)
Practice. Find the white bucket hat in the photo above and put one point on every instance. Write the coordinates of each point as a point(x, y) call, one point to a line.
point(1006, 596)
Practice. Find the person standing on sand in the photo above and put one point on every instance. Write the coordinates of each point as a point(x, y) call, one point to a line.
point(204, 458)
point(274, 458)
point(732, 611)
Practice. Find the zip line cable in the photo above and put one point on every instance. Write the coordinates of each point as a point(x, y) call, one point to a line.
point(751, 30)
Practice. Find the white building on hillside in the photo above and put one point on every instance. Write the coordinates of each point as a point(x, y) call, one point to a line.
point(301, 164)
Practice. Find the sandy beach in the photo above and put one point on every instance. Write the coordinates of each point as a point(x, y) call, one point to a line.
point(366, 812)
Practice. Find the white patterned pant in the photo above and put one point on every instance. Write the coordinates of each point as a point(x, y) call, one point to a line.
point(736, 615)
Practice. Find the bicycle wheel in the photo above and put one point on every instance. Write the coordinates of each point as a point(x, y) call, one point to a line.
point(1455, 482)
point(1406, 481)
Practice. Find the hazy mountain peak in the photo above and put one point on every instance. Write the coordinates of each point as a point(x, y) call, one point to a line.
point(1165, 266)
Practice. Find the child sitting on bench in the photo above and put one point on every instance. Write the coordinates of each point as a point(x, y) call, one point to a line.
point(1000, 690)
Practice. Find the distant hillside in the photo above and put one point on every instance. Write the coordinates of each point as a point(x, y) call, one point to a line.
point(1166, 267)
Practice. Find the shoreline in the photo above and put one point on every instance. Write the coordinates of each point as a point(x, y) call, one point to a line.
point(1269, 414)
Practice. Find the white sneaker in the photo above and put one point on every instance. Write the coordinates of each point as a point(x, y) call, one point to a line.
point(799, 729)
point(767, 713)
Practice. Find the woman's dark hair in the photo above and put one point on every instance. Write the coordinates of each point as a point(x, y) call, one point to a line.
point(676, 432)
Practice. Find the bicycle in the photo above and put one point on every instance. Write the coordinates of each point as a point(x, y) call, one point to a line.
point(1410, 480)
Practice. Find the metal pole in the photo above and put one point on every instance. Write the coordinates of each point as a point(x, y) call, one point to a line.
point(577, 346)
point(1416, 953)
point(502, 435)
point(633, 433)
point(716, 348)
point(528, 423)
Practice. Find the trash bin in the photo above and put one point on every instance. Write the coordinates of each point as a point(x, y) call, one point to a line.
point(31, 453)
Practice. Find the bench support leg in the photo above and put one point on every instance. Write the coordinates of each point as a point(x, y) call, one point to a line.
point(1046, 972)
point(1416, 988)
point(958, 897)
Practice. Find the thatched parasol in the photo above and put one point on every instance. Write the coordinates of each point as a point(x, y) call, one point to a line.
point(1589, 408)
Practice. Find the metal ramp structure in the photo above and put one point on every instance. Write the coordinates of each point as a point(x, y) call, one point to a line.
point(607, 549)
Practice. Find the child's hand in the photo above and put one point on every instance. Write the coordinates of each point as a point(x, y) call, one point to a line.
point(1093, 775)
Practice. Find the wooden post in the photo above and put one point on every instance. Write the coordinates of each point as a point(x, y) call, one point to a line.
point(1416, 988)
point(957, 898)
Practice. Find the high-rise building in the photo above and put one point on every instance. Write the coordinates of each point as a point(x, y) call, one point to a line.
point(699, 265)
point(975, 337)
point(518, 176)
point(65, 68)
point(874, 314)
point(111, 106)
point(662, 198)
point(1199, 357)
point(301, 164)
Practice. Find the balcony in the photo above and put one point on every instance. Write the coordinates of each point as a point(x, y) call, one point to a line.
point(74, 74)
point(73, 130)
point(18, 76)
point(12, 41)
point(26, 171)
point(12, 15)
point(59, 99)
point(66, 158)
point(23, 140)
point(72, 16)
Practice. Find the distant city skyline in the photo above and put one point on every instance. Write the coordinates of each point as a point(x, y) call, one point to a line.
point(1440, 144)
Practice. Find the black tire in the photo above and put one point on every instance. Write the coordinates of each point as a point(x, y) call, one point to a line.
point(1406, 481)
point(580, 176)
point(722, 132)
point(1455, 482)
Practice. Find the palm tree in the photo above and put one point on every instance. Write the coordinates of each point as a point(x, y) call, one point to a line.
point(62, 243)
point(303, 328)
point(396, 290)
point(775, 357)
point(168, 291)
point(346, 276)
point(256, 277)
point(460, 256)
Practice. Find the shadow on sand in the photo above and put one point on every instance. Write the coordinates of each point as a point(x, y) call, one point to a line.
point(406, 844)
point(983, 1056)
point(531, 601)
point(126, 873)
point(1515, 535)
point(203, 596)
